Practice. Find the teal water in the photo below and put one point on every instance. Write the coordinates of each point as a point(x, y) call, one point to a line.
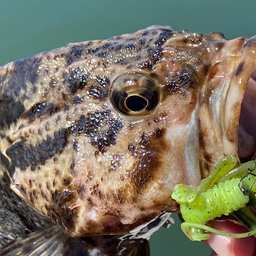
point(28, 27)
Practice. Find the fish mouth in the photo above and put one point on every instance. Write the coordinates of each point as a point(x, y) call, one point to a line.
point(227, 123)
point(240, 101)
point(247, 122)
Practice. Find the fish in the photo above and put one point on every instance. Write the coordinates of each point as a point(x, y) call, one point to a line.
point(95, 135)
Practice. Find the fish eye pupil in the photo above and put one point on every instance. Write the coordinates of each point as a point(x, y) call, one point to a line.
point(136, 103)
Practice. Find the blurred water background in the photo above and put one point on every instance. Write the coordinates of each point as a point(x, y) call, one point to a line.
point(28, 27)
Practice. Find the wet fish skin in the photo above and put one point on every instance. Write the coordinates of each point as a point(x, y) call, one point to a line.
point(75, 153)
point(78, 151)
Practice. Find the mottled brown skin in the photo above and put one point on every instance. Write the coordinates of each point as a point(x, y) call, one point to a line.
point(75, 150)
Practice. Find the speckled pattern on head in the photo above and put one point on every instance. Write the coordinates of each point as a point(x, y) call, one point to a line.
point(95, 135)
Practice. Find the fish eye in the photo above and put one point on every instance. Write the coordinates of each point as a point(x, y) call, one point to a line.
point(134, 94)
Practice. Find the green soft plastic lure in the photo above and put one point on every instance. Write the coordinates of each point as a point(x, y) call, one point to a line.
point(228, 190)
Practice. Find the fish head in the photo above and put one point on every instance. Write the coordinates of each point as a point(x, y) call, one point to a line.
point(105, 129)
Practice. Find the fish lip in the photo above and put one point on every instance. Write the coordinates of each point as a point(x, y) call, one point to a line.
point(221, 99)
point(245, 76)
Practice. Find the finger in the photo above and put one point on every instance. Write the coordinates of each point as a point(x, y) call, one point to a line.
point(228, 246)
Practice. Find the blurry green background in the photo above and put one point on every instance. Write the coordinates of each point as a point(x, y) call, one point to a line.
point(30, 26)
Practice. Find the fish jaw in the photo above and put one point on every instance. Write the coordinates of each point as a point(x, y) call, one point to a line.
point(221, 99)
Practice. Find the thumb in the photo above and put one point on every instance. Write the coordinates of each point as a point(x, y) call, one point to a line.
point(229, 246)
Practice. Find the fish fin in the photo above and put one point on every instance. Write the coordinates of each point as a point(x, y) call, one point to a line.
point(136, 242)
point(134, 247)
point(50, 241)
point(145, 231)
point(43, 242)
point(16, 217)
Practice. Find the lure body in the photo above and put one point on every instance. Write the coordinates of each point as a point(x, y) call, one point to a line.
point(222, 199)
point(197, 207)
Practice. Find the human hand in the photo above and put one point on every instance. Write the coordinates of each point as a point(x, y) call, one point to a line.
point(229, 246)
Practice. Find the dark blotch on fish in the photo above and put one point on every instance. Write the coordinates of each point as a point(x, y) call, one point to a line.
point(100, 127)
point(75, 53)
point(20, 75)
point(148, 153)
point(180, 81)
point(10, 111)
point(40, 109)
point(98, 92)
point(23, 155)
point(77, 80)
point(78, 99)
point(163, 37)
